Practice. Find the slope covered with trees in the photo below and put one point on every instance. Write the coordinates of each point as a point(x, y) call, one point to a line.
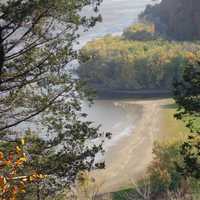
point(177, 19)
point(139, 59)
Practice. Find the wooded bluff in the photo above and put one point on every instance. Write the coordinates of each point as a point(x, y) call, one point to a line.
point(177, 19)
point(139, 59)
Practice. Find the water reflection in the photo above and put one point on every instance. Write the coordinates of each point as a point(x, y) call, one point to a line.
point(117, 117)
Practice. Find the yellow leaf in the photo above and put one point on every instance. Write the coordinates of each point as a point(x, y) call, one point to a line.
point(22, 141)
point(31, 179)
point(18, 150)
point(41, 176)
point(2, 181)
point(20, 161)
point(22, 191)
point(23, 159)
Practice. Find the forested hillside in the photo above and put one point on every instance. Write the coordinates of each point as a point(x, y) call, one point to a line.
point(178, 19)
point(139, 59)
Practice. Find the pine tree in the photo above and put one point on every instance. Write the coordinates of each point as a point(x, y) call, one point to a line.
point(37, 90)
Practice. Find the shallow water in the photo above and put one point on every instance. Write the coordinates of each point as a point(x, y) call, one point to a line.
point(114, 115)
point(117, 15)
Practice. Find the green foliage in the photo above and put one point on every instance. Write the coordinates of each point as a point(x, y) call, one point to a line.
point(140, 31)
point(163, 172)
point(122, 195)
point(174, 19)
point(187, 96)
point(37, 90)
point(163, 181)
point(115, 63)
point(168, 157)
point(163, 178)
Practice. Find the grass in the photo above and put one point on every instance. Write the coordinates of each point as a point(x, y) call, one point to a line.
point(122, 195)
point(173, 132)
point(176, 130)
point(172, 128)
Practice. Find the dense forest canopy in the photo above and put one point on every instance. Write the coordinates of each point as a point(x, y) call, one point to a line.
point(177, 19)
point(140, 59)
point(140, 31)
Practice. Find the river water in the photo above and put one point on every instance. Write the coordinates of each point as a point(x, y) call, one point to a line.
point(117, 15)
point(114, 115)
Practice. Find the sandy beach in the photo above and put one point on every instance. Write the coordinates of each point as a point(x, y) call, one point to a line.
point(128, 161)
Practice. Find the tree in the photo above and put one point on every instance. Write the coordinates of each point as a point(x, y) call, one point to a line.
point(36, 44)
point(13, 181)
point(187, 96)
point(118, 63)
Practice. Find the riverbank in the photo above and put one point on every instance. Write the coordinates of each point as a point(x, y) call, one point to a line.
point(128, 161)
point(103, 93)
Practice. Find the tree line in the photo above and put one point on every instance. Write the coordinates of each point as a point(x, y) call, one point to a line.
point(139, 59)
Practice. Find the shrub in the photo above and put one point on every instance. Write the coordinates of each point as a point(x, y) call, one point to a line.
point(163, 173)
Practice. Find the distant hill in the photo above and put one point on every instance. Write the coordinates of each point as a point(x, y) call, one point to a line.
point(177, 19)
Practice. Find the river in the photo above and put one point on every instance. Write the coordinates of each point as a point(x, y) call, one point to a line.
point(114, 115)
point(117, 15)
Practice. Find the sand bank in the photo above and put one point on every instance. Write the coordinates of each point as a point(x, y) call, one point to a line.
point(128, 161)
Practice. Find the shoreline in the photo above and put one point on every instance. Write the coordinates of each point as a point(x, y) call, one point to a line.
point(128, 160)
point(103, 93)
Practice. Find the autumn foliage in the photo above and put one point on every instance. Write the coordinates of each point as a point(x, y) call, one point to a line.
point(136, 60)
point(13, 178)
